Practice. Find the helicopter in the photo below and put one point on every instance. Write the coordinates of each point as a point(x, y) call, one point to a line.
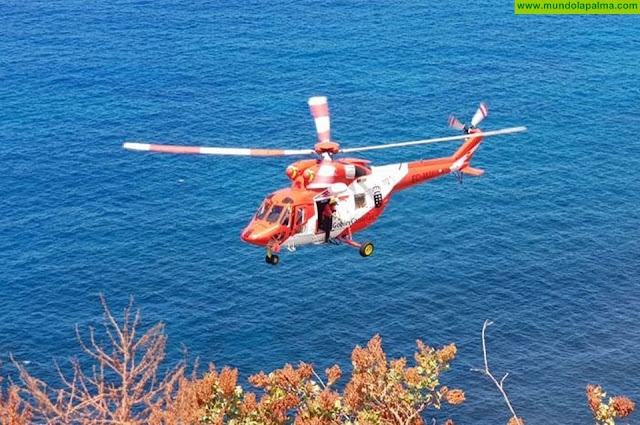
point(332, 198)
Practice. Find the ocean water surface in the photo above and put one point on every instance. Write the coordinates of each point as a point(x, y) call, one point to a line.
point(546, 243)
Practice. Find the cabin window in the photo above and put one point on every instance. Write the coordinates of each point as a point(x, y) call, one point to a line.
point(361, 200)
point(360, 171)
point(350, 171)
point(262, 211)
point(274, 214)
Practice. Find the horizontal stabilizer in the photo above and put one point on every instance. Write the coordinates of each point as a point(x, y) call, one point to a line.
point(472, 171)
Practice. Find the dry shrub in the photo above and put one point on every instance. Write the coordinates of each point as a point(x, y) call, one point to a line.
point(607, 413)
point(13, 409)
point(121, 382)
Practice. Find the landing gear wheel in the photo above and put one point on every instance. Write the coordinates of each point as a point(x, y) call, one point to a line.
point(272, 259)
point(366, 249)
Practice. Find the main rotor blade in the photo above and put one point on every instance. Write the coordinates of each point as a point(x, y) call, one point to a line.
point(436, 140)
point(204, 150)
point(319, 107)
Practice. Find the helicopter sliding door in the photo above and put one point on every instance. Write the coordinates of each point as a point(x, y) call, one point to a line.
point(303, 220)
point(304, 225)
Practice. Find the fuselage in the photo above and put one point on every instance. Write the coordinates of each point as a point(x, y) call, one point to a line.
point(292, 216)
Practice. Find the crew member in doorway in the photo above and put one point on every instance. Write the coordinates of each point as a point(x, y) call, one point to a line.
point(327, 218)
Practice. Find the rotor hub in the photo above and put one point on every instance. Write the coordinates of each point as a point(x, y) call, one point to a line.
point(327, 147)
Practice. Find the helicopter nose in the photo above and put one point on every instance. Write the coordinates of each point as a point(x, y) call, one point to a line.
point(259, 233)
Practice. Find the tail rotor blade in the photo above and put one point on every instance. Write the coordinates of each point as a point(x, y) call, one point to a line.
point(481, 113)
point(320, 111)
point(455, 123)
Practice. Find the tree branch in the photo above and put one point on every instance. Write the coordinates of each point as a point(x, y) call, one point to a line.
point(487, 372)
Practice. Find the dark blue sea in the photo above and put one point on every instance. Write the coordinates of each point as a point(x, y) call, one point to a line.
point(546, 244)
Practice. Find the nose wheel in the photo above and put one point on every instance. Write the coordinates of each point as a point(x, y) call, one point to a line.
point(271, 258)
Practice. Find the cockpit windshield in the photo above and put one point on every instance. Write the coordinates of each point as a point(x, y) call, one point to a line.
point(274, 214)
point(262, 211)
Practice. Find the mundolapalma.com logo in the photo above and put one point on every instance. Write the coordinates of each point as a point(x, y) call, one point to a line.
point(566, 7)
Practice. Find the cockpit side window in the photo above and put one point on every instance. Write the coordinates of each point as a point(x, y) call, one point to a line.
point(274, 214)
point(286, 217)
point(300, 220)
point(262, 211)
point(299, 216)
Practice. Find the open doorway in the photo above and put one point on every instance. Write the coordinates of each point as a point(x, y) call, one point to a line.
point(322, 221)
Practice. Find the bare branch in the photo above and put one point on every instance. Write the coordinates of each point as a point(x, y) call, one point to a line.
point(487, 372)
point(503, 378)
point(319, 378)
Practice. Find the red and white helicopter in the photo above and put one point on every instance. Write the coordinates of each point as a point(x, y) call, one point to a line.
point(330, 199)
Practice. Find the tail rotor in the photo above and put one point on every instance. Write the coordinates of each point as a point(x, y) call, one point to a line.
point(481, 114)
point(456, 124)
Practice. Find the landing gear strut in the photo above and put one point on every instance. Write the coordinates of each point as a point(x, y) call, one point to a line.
point(365, 248)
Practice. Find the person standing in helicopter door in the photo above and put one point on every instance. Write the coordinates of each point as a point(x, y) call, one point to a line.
point(327, 218)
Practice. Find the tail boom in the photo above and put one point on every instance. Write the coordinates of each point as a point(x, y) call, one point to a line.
point(422, 171)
